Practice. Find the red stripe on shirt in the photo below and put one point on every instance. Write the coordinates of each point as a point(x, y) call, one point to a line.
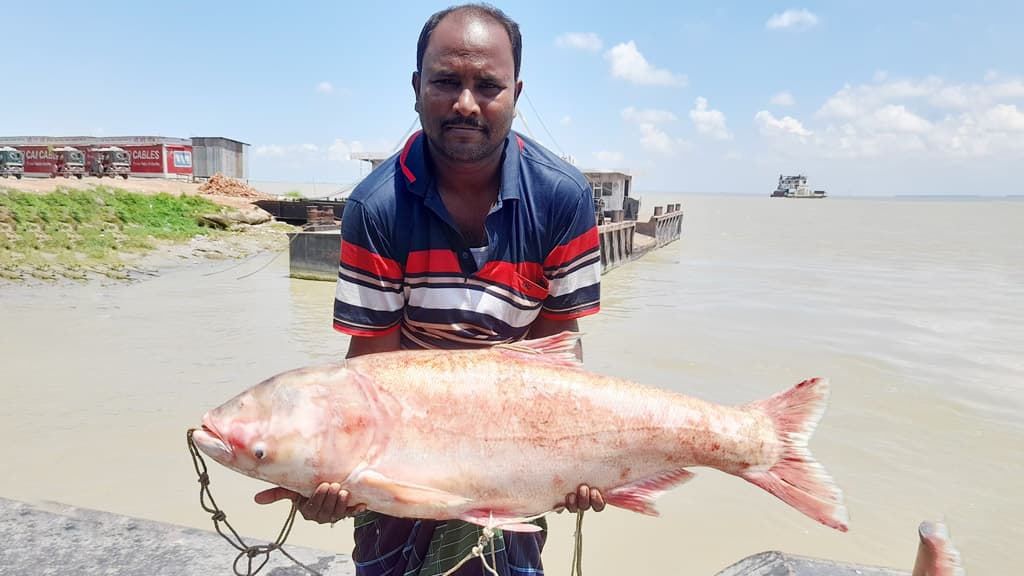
point(361, 258)
point(435, 261)
point(405, 152)
point(526, 277)
point(570, 251)
point(345, 329)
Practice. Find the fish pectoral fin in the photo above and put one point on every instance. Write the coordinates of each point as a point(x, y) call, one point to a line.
point(639, 496)
point(558, 349)
point(493, 519)
point(412, 494)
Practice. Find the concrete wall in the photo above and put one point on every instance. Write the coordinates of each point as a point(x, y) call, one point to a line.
point(666, 225)
point(314, 255)
point(60, 539)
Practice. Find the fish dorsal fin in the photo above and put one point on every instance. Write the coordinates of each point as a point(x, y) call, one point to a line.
point(558, 348)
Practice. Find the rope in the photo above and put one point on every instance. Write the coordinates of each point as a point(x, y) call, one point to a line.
point(250, 553)
point(487, 540)
point(577, 551)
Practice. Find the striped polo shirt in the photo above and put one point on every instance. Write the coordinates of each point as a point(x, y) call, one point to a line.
point(404, 265)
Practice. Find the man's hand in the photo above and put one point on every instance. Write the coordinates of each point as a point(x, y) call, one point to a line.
point(328, 504)
point(584, 498)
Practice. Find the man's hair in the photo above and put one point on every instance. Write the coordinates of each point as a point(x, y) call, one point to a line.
point(481, 11)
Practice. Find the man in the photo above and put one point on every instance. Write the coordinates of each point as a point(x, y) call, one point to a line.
point(471, 236)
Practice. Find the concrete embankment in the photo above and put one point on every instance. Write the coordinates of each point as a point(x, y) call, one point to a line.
point(625, 240)
point(59, 539)
point(53, 538)
point(313, 253)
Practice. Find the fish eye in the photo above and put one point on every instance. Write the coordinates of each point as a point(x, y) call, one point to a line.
point(259, 450)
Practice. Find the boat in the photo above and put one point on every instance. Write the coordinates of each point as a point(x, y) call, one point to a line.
point(795, 187)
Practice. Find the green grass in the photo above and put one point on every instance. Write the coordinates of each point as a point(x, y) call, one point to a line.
point(87, 228)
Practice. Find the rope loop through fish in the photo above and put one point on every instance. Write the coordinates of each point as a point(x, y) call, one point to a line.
point(486, 540)
point(250, 553)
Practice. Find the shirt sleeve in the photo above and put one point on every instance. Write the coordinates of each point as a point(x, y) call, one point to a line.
point(573, 266)
point(369, 299)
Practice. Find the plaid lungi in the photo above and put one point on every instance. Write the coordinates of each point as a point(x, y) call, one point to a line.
point(389, 546)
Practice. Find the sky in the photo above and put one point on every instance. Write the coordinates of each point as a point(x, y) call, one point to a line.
point(865, 98)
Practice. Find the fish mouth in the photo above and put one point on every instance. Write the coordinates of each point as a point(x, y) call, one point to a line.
point(208, 440)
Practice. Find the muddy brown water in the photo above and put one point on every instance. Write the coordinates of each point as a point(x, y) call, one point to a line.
point(913, 308)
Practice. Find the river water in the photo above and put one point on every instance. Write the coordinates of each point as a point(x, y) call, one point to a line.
point(913, 308)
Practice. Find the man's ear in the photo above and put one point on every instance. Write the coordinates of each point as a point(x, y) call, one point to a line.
point(416, 85)
point(519, 89)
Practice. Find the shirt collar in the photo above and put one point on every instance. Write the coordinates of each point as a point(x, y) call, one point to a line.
point(412, 163)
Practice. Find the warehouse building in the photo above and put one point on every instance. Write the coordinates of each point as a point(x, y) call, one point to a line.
point(151, 156)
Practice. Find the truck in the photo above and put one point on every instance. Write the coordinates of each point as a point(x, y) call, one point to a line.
point(12, 162)
point(70, 162)
point(110, 161)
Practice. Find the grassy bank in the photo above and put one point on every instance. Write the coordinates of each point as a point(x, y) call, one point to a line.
point(76, 233)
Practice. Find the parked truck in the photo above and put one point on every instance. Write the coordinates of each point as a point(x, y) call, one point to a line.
point(110, 161)
point(12, 162)
point(70, 162)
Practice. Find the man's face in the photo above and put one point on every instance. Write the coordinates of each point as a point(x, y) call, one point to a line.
point(467, 91)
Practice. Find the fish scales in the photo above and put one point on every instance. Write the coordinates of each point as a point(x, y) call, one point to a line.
point(496, 435)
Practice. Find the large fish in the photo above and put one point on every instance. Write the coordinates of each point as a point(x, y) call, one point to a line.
point(494, 436)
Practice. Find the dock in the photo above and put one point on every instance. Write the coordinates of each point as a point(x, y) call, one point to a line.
point(313, 252)
point(623, 241)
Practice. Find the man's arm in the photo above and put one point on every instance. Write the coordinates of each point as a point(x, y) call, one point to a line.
point(543, 326)
point(360, 345)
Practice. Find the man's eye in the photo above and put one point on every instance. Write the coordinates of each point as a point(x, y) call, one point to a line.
point(447, 82)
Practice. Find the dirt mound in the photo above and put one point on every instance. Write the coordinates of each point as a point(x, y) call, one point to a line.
point(222, 185)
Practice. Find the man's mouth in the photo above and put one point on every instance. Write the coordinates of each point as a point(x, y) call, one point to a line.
point(462, 125)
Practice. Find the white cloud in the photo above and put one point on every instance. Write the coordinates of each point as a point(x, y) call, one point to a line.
point(565, 121)
point(787, 125)
point(896, 118)
point(286, 150)
point(1003, 118)
point(269, 150)
point(649, 116)
point(629, 64)
point(796, 19)
point(927, 118)
point(340, 150)
point(580, 41)
point(783, 99)
point(609, 157)
point(709, 121)
point(656, 140)
point(325, 87)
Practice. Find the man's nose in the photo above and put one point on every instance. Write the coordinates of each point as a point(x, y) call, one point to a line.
point(466, 104)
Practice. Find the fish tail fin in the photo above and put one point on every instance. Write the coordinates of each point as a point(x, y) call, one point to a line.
point(797, 478)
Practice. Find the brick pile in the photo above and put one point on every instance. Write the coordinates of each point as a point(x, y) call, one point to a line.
point(222, 185)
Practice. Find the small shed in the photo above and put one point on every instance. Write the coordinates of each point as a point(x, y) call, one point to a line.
point(611, 191)
point(212, 155)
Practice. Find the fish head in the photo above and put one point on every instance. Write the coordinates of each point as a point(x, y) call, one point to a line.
point(284, 431)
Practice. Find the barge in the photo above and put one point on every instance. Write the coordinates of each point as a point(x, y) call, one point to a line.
point(795, 187)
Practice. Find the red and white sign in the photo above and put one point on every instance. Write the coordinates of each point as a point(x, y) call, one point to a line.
point(39, 159)
point(146, 160)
